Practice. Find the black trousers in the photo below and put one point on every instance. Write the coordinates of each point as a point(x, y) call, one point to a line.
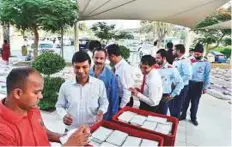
point(130, 104)
point(162, 108)
point(193, 96)
point(175, 105)
point(146, 107)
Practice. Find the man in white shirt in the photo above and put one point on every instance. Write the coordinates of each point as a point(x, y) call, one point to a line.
point(124, 75)
point(82, 100)
point(151, 90)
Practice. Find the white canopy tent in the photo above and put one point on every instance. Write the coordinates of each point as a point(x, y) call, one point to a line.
point(183, 12)
point(221, 25)
point(187, 13)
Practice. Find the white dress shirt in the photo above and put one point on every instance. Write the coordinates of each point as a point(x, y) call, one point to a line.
point(153, 89)
point(125, 78)
point(82, 102)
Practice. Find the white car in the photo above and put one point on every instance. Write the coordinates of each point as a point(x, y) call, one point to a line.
point(46, 46)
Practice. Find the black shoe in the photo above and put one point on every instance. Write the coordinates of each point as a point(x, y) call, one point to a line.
point(194, 122)
point(182, 117)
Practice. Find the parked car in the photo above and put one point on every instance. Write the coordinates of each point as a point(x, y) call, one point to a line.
point(46, 46)
point(83, 43)
point(219, 57)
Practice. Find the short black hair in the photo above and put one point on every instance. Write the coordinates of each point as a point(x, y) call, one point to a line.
point(100, 49)
point(80, 57)
point(148, 60)
point(181, 48)
point(18, 77)
point(191, 49)
point(113, 49)
point(169, 45)
point(93, 44)
point(155, 43)
point(5, 41)
point(163, 53)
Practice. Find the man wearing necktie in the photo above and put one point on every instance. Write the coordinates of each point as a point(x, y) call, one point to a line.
point(151, 90)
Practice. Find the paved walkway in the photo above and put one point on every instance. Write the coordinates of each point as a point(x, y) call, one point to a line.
point(214, 124)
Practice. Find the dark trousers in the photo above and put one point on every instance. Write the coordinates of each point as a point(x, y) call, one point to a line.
point(194, 95)
point(162, 108)
point(146, 107)
point(175, 105)
point(130, 103)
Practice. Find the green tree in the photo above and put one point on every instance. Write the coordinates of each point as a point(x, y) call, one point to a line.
point(212, 38)
point(33, 15)
point(125, 52)
point(227, 41)
point(159, 29)
point(107, 32)
point(123, 35)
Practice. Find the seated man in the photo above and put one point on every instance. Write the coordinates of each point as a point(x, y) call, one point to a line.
point(82, 100)
point(20, 120)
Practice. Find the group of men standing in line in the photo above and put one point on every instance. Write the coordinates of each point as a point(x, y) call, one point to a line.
point(98, 92)
point(170, 81)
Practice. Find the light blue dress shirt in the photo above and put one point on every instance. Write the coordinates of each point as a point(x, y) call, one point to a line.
point(170, 76)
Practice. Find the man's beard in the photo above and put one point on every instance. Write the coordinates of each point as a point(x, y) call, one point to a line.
point(160, 63)
point(198, 58)
point(175, 55)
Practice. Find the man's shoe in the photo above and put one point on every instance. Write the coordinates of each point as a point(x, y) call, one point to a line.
point(195, 122)
point(182, 118)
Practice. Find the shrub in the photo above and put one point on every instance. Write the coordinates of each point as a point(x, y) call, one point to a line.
point(49, 63)
point(50, 92)
point(125, 52)
point(227, 52)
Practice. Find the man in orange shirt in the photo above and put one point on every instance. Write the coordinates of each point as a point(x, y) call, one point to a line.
point(20, 120)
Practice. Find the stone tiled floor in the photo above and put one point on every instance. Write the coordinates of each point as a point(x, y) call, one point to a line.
point(214, 124)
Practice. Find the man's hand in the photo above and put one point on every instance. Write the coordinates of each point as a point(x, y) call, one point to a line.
point(139, 90)
point(203, 91)
point(134, 91)
point(79, 138)
point(167, 98)
point(68, 119)
point(99, 116)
